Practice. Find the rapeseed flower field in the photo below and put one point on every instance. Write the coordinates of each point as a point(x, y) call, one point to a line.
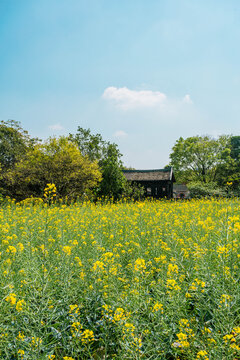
point(147, 280)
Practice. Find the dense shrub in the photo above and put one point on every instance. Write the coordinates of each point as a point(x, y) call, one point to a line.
point(201, 190)
point(133, 191)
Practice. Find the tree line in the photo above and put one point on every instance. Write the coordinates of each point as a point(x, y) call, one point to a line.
point(208, 166)
point(80, 165)
point(84, 165)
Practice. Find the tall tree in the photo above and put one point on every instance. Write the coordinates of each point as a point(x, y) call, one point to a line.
point(198, 157)
point(113, 180)
point(91, 145)
point(108, 157)
point(229, 172)
point(235, 148)
point(14, 142)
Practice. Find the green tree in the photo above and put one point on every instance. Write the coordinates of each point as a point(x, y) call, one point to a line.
point(113, 180)
point(198, 158)
point(108, 157)
point(229, 172)
point(14, 142)
point(56, 161)
point(235, 148)
point(91, 145)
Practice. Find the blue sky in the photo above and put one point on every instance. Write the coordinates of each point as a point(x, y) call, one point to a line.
point(141, 73)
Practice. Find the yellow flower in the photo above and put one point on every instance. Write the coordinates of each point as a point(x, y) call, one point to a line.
point(20, 304)
point(76, 328)
point(139, 265)
point(129, 328)
point(119, 314)
point(87, 336)
point(181, 336)
point(172, 268)
point(74, 309)
point(12, 250)
point(11, 298)
point(202, 354)
point(225, 300)
point(67, 249)
point(157, 306)
point(21, 352)
point(98, 265)
point(138, 343)
point(172, 285)
point(36, 341)
point(20, 336)
point(20, 247)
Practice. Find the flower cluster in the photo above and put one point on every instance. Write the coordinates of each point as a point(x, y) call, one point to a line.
point(121, 281)
point(50, 192)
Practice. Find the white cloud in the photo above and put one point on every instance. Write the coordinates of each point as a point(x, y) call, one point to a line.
point(187, 99)
point(126, 99)
point(57, 127)
point(120, 134)
point(131, 99)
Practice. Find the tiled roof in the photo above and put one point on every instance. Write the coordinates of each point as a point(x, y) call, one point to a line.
point(149, 175)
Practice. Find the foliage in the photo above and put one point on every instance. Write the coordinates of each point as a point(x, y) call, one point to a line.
point(56, 161)
point(143, 280)
point(14, 142)
point(201, 190)
point(91, 145)
point(109, 160)
point(77, 164)
point(229, 170)
point(235, 148)
point(133, 191)
point(113, 180)
point(197, 158)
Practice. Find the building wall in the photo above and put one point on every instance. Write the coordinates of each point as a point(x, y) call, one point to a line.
point(157, 189)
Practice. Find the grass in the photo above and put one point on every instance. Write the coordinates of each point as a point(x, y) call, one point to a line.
point(149, 280)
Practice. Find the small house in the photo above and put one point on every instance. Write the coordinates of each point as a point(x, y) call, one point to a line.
point(157, 183)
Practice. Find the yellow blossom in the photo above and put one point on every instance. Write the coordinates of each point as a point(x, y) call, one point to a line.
point(139, 265)
point(19, 305)
point(11, 298)
point(67, 250)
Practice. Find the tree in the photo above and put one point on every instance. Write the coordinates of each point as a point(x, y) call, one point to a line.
point(235, 148)
point(113, 180)
point(229, 172)
point(14, 142)
point(91, 145)
point(108, 157)
point(198, 158)
point(57, 161)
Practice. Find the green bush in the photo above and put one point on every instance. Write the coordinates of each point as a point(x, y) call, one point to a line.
point(200, 190)
point(133, 191)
